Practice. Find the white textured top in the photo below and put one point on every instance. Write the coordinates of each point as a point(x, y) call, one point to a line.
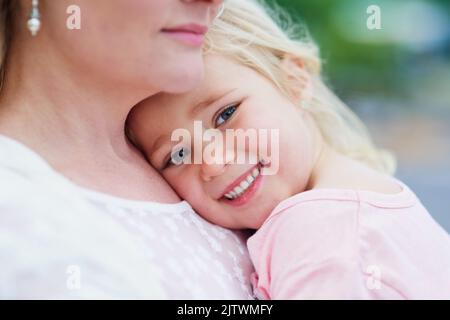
point(58, 240)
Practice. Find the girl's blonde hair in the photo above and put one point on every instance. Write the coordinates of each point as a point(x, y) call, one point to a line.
point(248, 33)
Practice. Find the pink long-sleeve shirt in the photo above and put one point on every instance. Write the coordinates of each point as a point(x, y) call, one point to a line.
point(350, 244)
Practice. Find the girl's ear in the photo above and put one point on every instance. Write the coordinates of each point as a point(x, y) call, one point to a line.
point(297, 78)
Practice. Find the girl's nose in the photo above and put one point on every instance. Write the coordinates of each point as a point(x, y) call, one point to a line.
point(211, 170)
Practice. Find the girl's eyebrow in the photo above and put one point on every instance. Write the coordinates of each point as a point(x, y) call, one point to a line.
point(197, 108)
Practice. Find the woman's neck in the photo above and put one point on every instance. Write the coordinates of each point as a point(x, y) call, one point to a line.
point(75, 120)
point(46, 99)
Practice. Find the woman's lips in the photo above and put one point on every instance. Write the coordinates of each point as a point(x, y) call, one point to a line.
point(191, 34)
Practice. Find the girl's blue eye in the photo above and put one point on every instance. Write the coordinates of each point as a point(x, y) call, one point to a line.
point(178, 156)
point(225, 115)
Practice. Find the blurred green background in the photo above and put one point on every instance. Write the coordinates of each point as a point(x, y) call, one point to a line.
point(397, 79)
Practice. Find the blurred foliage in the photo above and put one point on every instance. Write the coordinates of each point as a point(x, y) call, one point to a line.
point(377, 62)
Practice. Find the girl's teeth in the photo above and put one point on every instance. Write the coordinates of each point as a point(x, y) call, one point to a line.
point(238, 190)
point(245, 184)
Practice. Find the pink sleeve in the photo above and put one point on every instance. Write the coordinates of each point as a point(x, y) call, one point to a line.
point(332, 279)
point(312, 252)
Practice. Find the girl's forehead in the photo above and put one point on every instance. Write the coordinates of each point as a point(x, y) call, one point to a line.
point(220, 68)
point(222, 75)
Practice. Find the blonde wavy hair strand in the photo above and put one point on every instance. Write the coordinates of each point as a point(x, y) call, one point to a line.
point(260, 37)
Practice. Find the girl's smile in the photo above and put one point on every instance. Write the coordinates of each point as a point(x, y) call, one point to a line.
point(244, 188)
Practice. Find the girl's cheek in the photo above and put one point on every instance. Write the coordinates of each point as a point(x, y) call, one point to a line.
point(187, 185)
point(176, 181)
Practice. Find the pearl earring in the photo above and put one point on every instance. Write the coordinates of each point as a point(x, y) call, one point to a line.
point(34, 22)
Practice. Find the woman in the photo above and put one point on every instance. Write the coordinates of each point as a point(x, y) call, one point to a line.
point(82, 213)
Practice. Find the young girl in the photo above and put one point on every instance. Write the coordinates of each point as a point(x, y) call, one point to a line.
point(331, 220)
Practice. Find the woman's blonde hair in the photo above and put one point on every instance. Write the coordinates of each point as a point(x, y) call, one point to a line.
point(260, 37)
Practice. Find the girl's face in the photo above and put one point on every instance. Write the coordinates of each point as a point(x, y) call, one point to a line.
point(152, 45)
point(231, 96)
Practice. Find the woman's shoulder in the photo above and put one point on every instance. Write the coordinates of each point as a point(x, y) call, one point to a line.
point(22, 178)
point(49, 236)
point(27, 183)
point(17, 158)
point(55, 245)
